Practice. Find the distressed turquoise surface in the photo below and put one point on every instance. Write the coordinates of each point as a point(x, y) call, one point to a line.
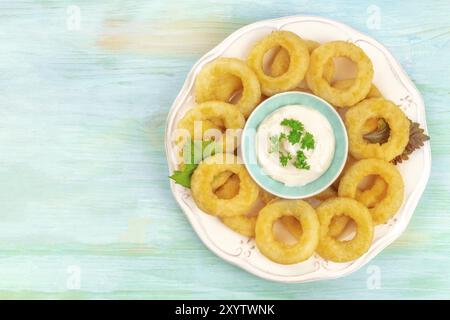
point(86, 209)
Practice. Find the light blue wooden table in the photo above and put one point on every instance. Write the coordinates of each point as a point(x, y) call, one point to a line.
point(85, 205)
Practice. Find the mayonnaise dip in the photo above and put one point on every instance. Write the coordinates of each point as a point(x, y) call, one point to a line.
point(319, 158)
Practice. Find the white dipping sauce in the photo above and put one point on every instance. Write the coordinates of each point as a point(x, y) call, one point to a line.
point(318, 158)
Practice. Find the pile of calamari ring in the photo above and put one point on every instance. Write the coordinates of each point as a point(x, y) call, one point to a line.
point(337, 224)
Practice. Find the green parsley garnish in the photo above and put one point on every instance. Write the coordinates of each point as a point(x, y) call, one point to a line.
point(198, 151)
point(183, 176)
point(300, 161)
point(294, 136)
point(296, 130)
point(284, 158)
point(307, 141)
point(293, 124)
point(297, 134)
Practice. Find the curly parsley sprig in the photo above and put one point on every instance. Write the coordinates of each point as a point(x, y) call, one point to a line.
point(296, 131)
point(300, 161)
point(297, 135)
point(284, 158)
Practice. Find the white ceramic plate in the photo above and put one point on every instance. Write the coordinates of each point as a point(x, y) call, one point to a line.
point(393, 83)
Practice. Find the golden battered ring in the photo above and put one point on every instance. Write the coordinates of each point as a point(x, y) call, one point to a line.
point(267, 196)
point(389, 205)
point(210, 82)
point(374, 92)
point(298, 61)
point(208, 201)
point(281, 60)
point(280, 252)
point(337, 225)
point(342, 251)
point(219, 181)
point(340, 97)
point(209, 113)
point(226, 186)
point(374, 194)
point(356, 118)
point(242, 224)
point(225, 87)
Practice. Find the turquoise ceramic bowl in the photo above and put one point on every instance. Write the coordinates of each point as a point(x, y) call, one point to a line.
point(248, 146)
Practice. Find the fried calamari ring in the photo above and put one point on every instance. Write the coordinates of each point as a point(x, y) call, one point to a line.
point(372, 123)
point(348, 163)
point(227, 187)
point(209, 83)
point(267, 196)
point(207, 112)
point(374, 194)
point(208, 201)
point(346, 83)
point(281, 252)
point(298, 61)
point(242, 224)
point(280, 62)
point(374, 92)
point(293, 226)
point(337, 226)
point(356, 118)
point(388, 206)
point(220, 180)
point(325, 194)
point(340, 97)
point(342, 251)
point(225, 87)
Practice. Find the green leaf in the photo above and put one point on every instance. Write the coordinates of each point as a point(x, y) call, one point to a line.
point(284, 158)
point(300, 161)
point(297, 128)
point(293, 124)
point(380, 135)
point(417, 137)
point(294, 136)
point(307, 141)
point(183, 177)
point(193, 153)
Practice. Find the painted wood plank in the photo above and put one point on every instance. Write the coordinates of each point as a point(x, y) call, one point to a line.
point(84, 192)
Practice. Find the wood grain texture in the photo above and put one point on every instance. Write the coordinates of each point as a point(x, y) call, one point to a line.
point(84, 189)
